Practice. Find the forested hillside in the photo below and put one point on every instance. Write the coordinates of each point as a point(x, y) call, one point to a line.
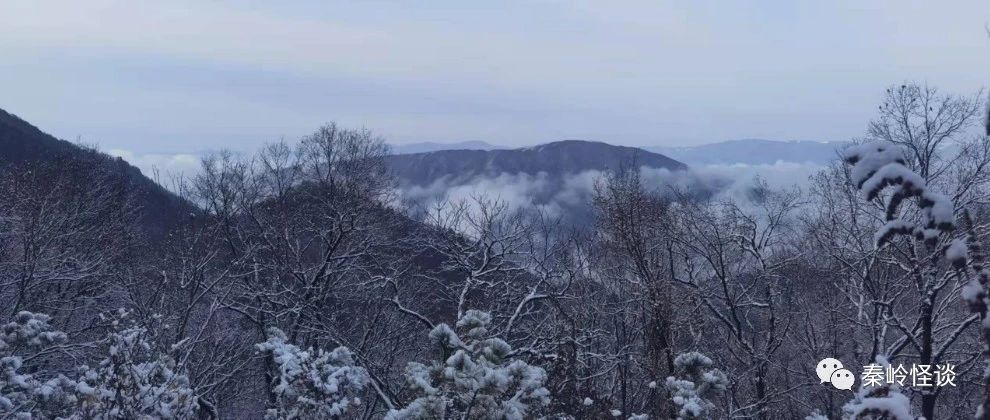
point(290, 283)
point(24, 149)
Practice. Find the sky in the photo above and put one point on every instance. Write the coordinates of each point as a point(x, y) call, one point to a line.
point(168, 80)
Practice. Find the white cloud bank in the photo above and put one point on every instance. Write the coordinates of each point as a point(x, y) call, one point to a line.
point(569, 197)
point(161, 167)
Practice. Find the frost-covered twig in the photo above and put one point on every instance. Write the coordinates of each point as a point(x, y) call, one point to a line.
point(976, 293)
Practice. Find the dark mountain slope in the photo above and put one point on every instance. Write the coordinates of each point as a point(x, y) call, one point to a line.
point(555, 159)
point(23, 142)
point(23, 145)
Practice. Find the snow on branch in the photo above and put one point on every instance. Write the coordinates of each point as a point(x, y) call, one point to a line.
point(134, 380)
point(976, 294)
point(473, 378)
point(22, 394)
point(882, 401)
point(691, 392)
point(312, 383)
point(877, 166)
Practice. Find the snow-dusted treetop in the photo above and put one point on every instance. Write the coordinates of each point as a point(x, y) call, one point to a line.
point(875, 402)
point(474, 378)
point(312, 383)
point(876, 166)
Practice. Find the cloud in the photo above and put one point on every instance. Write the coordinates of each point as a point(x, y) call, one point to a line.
point(517, 191)
point(569, 198)
point(163, 168)
point(742, 176)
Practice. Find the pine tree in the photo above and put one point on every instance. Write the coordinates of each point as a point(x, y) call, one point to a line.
point(879, 402)
point(475, 378)
point(133, 380)
point(24, 395)
point(312, 384)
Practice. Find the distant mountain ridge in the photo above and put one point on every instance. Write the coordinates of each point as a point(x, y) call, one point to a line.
point(556, 159)
point(410, 148)
point(755, 152)
point(730, 152)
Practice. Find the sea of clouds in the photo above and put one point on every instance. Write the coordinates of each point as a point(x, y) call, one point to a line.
point(569, 197)
point(566, 197)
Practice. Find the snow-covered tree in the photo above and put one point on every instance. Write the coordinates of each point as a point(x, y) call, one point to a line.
point(296, 233)
point(133, 380)
point(473, 378)
point(970, 258)
point(877, 167)
point(879, 402)
point(735, 260)
point(883, 234)
point(312, 383)
point(816, 415)
point(24, 395)
point(572, 324)
point(692, 390)
point(66, 224)
point(634, 226)
point(977, 295)
point(697, 382)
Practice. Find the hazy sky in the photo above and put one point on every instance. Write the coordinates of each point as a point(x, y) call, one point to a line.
point(186, 76)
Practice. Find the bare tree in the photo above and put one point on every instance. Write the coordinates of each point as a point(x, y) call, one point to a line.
point(634, 226)
point(904, 287)
point(68, 227)
point(734, 261)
